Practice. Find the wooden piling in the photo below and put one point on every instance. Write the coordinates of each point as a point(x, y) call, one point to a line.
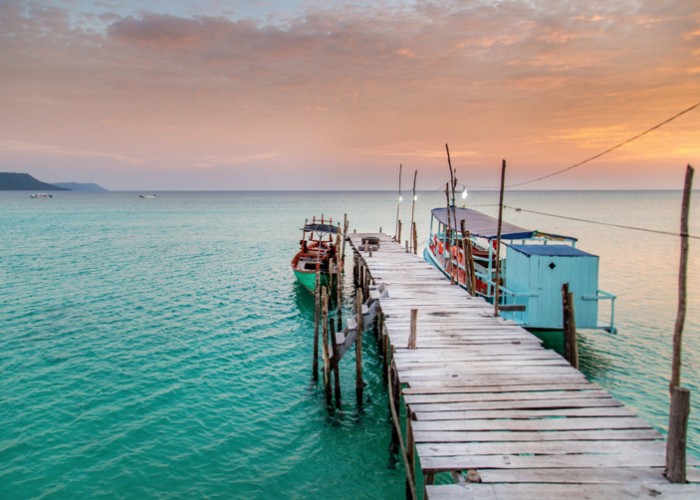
point(359, 383)
point(317, 314)
point(682, 281)
point(410, 457)
point(569, 326)
point(497, 290)
point(334, 365)
point(413, 203)
point(324, 347)
point(680, 396)
point(415, 239)
point(397, 234)
point(677, 435)
point(414, 329)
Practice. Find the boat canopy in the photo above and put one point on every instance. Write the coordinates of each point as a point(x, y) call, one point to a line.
point(485, 226)
point(322, 228)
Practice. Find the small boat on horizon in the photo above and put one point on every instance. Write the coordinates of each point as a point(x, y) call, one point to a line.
point(150, 196)
point(532, 271)
point(41, 195)
point(318, 252)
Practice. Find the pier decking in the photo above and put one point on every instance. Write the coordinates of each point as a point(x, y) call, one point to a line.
point(487, 403)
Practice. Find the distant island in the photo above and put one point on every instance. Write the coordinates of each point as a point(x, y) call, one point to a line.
point(15, 181)
point(82, 186)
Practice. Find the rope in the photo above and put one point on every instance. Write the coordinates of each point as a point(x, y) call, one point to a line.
point(647, 230)
point(609, 150)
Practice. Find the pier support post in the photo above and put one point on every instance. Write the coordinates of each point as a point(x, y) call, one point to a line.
point(677, 435)
point(317, 314)
point(335, 361)
point(324, 347)
point(359, 383)
point(410, 458)
point(569, 326)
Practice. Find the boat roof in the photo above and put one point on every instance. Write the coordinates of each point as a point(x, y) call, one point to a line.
point(322, 228)
point(551, 250)
point(485, 226)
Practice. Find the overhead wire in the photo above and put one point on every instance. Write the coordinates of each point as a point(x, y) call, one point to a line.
point(601, 223)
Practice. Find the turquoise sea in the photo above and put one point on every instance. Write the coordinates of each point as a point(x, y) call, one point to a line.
point(161, 348)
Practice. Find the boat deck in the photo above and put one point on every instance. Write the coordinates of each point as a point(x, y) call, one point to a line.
point(507, 417)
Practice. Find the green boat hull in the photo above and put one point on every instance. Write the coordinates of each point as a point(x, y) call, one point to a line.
point(308, 279)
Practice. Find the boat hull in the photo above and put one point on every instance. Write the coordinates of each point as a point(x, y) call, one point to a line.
point(308, 279)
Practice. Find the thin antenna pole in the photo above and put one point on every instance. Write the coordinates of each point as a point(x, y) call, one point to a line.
point(497, 291)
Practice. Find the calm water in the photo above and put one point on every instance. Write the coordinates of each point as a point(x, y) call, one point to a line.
point(162, 348)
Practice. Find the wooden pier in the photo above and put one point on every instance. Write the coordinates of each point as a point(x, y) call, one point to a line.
point(488, 405)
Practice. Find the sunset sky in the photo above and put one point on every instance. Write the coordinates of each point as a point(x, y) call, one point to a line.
point(297, 94)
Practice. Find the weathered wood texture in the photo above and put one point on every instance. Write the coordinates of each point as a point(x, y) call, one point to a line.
point(489, 403)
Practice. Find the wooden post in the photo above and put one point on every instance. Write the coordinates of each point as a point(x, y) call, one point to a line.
point(413, 333)
point(682, 282)
point(677, 435)
point(569, 326)
point(324, 347)
point(339, 292)
point(415, 239)
point(397, 234)
point(407, 251)
point(394, 399)
point(680, 396)
point(497, 291)
point(317, 314)
point(335, 367)
point(413, 200)
point(448, 235)
point(410, 457)
point(359, 383)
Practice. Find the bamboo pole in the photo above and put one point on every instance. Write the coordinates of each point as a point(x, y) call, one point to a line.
point(339, 291)
point(453, 182)
point(497, 291)
point(398, 236)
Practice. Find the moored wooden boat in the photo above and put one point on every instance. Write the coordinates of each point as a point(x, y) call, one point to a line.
point(533, 268)
point(318, 252)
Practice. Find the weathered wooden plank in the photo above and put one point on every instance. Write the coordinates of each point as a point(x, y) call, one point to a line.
point(510, 396)
point(486, 491)
point(577, 476)
point(442, 388)
point(609, 411)
point(464, 462)
point(541, 448)
point(423, 410)
point(491, 436)
point(547, 424)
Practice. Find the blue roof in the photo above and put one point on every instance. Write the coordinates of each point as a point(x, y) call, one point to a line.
point(551, 250)
point(485, 226)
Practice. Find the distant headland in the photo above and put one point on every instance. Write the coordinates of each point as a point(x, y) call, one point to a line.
point(15, 181)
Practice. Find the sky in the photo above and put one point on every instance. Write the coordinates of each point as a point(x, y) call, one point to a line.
point(307, 94)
